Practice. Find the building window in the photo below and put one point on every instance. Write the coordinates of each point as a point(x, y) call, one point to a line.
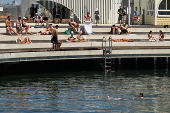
point(151, 8)
point(164, 8)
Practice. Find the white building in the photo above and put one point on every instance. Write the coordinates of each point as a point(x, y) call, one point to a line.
point(107, 8)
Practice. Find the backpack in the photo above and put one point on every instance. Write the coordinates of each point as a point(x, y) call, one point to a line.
point(120, 11)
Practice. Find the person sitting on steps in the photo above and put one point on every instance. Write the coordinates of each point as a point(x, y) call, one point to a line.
point(25, 26)
point(124, 29)
point(150, 37)
point(19, 27)
point(9, 26)
point(161, 36)
point(23, 40)
point(81, 39)
point(115, 30)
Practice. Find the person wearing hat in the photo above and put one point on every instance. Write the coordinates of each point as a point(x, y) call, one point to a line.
point(19, 27)
point(88, 24)
point(54, 40)
point(97, 18)
point(24, 25)
point(9, 27)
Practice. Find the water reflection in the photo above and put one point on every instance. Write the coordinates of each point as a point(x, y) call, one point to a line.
point(86, 92)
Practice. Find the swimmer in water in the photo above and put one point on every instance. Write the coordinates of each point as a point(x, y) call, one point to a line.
point(109, 98)
point(141, 95)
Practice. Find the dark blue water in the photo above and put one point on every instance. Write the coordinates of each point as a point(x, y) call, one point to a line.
point(87, 91)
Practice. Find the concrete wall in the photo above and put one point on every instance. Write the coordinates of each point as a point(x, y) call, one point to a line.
point(10, 10)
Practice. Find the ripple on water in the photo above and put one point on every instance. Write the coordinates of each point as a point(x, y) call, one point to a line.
point(86, 92)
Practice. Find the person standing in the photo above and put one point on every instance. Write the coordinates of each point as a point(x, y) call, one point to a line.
point(36, 9)
point(136, 16)
point(63, 12)
point(59, 14)
point(32, 11)
point(72, 15)
point(136, 12)
point(120, 12)
point(97, 18)
point(54, 12)
point(55, 43)
point(124, 15)
point(88, 23)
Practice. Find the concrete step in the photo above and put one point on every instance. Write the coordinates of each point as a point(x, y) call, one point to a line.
point(100, 30)
point(91, 37)
point(86, 45)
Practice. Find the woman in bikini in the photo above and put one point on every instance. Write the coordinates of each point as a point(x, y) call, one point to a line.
point(26, 27)
point(151, 38)
point(81, 39)
point(19, 27)
point(161, 36)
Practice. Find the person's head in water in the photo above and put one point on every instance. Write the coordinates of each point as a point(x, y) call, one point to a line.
point(140, 95)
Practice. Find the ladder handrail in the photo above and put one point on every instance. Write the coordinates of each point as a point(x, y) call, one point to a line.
point(104, 48)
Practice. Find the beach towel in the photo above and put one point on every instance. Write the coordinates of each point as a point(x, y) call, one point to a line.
point(68, 32)
point(88, 27)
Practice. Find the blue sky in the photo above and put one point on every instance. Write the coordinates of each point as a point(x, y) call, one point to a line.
point(10, 1)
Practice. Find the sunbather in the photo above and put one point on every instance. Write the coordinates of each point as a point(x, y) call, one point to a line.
point(151, 38)
point(23, 40)
point(161, 36)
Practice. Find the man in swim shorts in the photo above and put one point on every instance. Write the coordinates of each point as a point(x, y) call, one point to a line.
point(54, 39)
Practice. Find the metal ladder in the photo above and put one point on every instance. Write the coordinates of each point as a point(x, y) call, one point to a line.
point(107, 54)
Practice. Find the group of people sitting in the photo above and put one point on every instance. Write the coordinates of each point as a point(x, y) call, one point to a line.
point(79, 38)
point(20, 26)
point(39, 19)
point(122, 29)
point(160, 37)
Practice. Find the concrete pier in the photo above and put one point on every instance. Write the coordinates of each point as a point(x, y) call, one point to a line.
point(40, 49)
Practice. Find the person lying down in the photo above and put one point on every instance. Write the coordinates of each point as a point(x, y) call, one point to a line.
point(78, 39)
point(121, 40)
point(23, 40)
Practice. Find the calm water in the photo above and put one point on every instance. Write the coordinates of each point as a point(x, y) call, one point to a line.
point(87, 92)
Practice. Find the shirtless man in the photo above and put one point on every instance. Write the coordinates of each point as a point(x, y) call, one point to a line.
point(73, 26)
point(54, 39)
point(87, 17)
point(19, 27)
point(88, 24)
point(48, 30)
point(8, 26)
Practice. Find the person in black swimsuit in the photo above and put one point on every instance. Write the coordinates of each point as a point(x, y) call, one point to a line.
point(54, 39)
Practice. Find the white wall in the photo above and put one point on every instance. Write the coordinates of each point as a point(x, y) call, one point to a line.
point(107, 8)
